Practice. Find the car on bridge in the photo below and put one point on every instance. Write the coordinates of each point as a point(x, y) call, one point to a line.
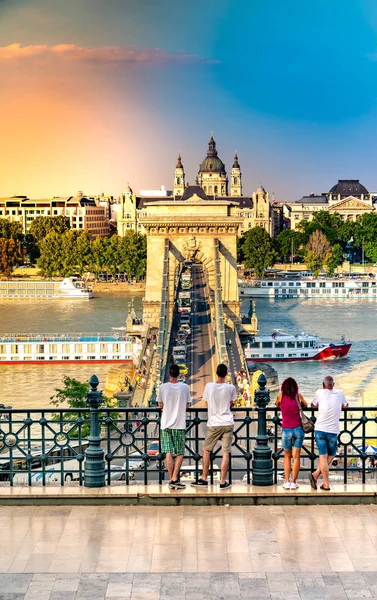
point(183, 369)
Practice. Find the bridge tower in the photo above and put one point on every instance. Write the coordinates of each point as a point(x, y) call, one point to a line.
point(190, 226)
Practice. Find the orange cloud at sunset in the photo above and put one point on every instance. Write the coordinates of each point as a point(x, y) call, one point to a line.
point(101, 55)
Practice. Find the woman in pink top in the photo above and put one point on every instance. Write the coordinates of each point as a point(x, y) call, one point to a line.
point(292, 433)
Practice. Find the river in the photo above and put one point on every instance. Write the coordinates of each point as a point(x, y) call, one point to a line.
point(33, 385)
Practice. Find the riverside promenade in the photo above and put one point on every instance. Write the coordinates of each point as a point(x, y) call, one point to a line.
point(188, 553)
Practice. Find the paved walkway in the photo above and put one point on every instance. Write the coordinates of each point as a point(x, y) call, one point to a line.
point(189, 586)
point(290, 552)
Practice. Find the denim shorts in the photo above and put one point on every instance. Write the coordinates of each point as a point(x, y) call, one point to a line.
point(327, 443)
point(292, 437)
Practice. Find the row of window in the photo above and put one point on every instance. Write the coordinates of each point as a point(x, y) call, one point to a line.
point(308, 344)
point(64, 348)
point(278, 355)
point(52, 358)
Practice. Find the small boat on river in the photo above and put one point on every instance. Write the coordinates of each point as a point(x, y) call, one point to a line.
point(284, 347)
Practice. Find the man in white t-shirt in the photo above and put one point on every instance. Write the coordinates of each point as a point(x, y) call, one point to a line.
point(174, 398)
point(330, 402)
point(219, 398)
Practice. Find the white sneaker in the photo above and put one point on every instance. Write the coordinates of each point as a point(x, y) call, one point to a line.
point(287, 485)
point(294, 486)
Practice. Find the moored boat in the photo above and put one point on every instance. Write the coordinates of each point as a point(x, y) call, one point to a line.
point(70, 287)
point(68, 348)
point(283, 347)
point(310, 287)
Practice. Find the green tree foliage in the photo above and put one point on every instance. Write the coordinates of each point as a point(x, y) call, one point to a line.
point(98, 260)
point(76, 252)
point(42, 226)
point(240, 254)
point(286, 241)
point(258, 250)
point(317, 248)
point(370, 251)
point(333, 259)
point(332, 225)
point(9, 255)
point(132, 255)
point(11, 230)
point(73, 395)
point(366, 231)
point(51, 257)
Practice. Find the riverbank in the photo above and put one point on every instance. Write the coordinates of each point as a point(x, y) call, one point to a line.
point(120, 287)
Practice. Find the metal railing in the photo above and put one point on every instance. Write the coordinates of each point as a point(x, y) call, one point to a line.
point(51, 446)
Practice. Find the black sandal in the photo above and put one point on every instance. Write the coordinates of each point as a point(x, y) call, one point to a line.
point(313, 482)
point(325, 489)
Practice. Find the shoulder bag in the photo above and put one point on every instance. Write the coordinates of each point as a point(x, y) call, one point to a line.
point(306, 423)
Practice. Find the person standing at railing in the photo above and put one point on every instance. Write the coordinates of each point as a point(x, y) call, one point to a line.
point(174, 399)
point(219, 398)
point(292, 433)
point(330, 403)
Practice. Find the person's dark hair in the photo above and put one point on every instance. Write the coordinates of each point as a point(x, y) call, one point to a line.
point(222, 371)
point(174, 370)
point(289, 388)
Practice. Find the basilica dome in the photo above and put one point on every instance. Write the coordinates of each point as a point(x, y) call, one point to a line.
point(212, 163)
point(349, 187)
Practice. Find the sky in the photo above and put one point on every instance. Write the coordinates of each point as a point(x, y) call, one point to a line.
point(96, 95)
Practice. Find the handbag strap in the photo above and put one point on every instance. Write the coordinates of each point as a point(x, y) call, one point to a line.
point(298, 404)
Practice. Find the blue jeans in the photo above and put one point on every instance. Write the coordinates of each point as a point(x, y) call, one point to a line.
point(327, 443)
point(292, 437)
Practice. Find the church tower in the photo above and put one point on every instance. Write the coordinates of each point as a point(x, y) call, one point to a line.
point(235, 180)
point(179, 178)
point(212, 175)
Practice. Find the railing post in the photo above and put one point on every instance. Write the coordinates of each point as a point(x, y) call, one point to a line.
point(94, 471)
point(262, 455)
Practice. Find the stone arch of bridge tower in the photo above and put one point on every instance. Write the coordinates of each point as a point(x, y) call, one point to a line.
point(206, 260)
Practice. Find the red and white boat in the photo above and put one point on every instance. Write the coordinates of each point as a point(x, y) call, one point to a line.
point(284, 347)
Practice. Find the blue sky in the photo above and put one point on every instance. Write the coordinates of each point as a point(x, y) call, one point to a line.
point(291, 85)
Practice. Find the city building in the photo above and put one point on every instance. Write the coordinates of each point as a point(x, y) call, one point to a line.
point(349, 198)
point(83, 212)
point(255, 210)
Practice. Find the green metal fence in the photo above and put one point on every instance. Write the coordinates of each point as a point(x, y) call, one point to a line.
point(103, 446)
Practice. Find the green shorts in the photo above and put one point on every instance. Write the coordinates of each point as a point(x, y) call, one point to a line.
point(173, 441)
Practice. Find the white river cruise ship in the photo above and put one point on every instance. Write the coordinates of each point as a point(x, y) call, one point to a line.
point(70, 287)
point(363, 287)
point(68, 348)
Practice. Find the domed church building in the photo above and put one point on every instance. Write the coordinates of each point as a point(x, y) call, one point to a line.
point(212, 183)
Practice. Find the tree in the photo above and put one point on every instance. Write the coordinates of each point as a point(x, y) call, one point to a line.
point(97, 256)
point(51, 259)
point(133, 255)
point(333, 259)
point(9, 255)
point(73, 394)
point(365, 230)
point(11, 230)
point(240, 254)
point(42, 226)
point(317, 249)
point(286, 241)
point(370, 250)
point(258, 250)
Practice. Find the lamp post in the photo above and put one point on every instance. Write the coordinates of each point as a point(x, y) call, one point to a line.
point(94, 471)
point(262, 455)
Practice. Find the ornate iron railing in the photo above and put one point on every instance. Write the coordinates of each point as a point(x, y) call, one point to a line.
point(51, 446)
